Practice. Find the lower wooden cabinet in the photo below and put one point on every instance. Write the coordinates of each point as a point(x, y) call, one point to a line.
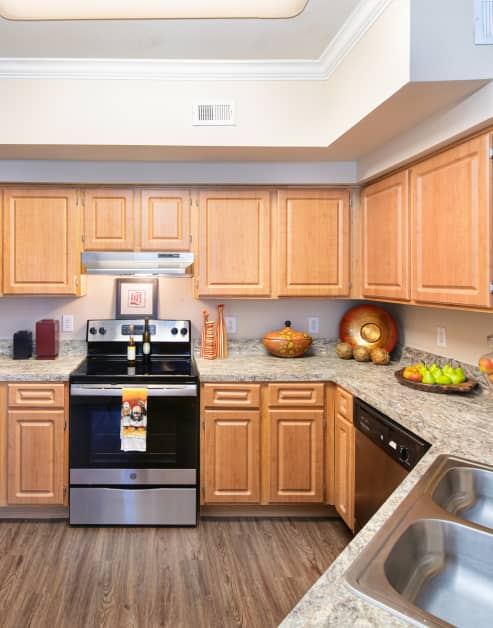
point(296, 448)
point(231, 460)
point(36, 437)
point(344, 461)
point(263, 444)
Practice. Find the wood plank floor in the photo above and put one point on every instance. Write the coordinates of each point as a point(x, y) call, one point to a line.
point(224, 573)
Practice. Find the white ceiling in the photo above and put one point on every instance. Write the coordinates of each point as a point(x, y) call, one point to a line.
point(302, 37)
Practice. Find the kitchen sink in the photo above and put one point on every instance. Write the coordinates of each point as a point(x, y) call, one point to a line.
point(468, 493)
point(432, 562)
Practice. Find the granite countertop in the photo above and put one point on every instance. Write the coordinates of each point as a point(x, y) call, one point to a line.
point(453, 424)
point(32, 370)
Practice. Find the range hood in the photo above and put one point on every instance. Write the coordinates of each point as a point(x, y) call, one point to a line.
point(172, 264)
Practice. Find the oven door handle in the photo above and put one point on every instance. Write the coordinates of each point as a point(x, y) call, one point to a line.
point(167, 390)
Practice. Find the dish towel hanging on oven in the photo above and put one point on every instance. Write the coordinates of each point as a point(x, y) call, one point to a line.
point(133, 423)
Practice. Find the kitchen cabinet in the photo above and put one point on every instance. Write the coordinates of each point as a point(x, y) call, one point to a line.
point(452, 226)
point(109, 219)
point(37, 445)
point(234, 246)
point(295, 455)
point(385, 239)
point(263, 443)
point(230, 444)
point(344, 447)
point(313, 243)
point(165, 219)
point(1, 243)
point(42, 238)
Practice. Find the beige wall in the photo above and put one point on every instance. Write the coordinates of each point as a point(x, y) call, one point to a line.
point(255, 318)
point(466, 331)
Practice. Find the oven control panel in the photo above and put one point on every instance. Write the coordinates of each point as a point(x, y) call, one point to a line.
point(113, 330)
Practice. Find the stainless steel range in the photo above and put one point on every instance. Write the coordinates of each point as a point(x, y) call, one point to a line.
point(157, 484)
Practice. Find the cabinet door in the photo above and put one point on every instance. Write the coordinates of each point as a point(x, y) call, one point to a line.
point(296, 455)
point(42, 241)
point(313, 242)
point(36, 456)
point(232, 456)
point(452, 226)
point(165, 220)
point(344, 469)
point(385, 239)
point(108, 219)
point(234, 243)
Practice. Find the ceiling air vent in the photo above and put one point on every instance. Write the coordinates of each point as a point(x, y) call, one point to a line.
point(483, 21)
point(214, 114)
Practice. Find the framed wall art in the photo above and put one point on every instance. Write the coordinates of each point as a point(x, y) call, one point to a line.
point(136, 298)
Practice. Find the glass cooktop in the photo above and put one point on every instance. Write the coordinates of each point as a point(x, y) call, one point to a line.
point(99, 369)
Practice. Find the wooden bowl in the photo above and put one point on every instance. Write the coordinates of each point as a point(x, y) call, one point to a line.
point(287, 343)
point(444, 389)
point(368, 326)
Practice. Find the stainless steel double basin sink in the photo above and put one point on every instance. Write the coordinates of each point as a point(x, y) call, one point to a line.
point(432, 561)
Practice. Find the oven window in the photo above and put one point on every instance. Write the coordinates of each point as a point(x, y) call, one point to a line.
point(172, 434)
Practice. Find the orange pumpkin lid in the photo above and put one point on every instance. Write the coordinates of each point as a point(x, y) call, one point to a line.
point(288, 334)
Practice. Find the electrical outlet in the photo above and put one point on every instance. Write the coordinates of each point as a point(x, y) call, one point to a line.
point(230, 324)
point(68, 323)
point(313, 324)
point(441, 337)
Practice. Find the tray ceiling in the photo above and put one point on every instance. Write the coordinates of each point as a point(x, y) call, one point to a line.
point(302, 37)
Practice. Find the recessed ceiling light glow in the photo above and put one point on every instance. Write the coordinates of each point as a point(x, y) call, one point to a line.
point(148, 9)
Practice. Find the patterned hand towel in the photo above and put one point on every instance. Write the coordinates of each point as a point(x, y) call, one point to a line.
point(133, 424)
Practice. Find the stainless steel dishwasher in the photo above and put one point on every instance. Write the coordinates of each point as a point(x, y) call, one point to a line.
point(385, 453)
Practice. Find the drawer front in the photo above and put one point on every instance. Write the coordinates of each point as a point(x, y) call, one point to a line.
point(232, 395)
point(344, 404)
point(36, 395)
point(292, 394)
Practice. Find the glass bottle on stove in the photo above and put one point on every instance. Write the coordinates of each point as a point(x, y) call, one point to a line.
point(146, 341)
point(131, 347)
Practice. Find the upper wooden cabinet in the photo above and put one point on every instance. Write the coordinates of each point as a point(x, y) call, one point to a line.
point(165, 219)
point(313, 243)
point(108, 219)
point(385, 239)
point(234, 243)
point(41, 241)
point(451, 212)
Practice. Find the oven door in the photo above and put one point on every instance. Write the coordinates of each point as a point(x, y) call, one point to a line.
point(172, 444)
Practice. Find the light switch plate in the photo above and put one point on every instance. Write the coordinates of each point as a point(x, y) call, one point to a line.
point(441, 337)
point(68, 323)
point(313, 324)
point(230, 324)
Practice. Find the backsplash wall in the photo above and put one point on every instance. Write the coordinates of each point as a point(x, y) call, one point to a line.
point(466, 331)
point(254, 317)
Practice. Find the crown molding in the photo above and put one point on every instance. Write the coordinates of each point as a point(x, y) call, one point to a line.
point(358, 23)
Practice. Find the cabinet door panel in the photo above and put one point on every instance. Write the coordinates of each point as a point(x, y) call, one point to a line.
point(165, 220)
point(385, 239)
point(35, 456)
point(36, 395)
point(109, 219)
point(452, 226)
point(232, 395)
point(313, 240)
point(296, 456)
point(295, 394)
point(42, 232)
point(232, 456)
point(344, 469)
point(234, 243)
